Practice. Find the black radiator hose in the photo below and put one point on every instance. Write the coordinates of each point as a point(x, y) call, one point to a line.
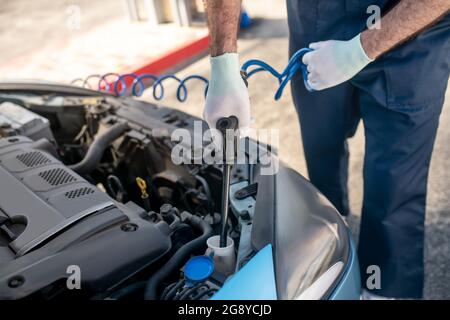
point(180, 257)
point(96, 149)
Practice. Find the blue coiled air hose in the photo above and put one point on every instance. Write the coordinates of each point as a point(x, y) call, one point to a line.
point(119, 85)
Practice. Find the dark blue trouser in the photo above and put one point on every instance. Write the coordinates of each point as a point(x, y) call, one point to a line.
point(399, 98)
point(397, 156)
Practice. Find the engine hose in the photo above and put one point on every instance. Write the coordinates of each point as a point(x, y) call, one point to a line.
point(96, 149)
point(207, 191)
point(167, 289)
point(180, 257)
point(172, 291)
point(115, 187)
point(189, 291)
point(117, 83)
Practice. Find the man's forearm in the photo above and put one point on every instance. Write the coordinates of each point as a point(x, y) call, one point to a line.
point(404, 21)
point(223, 21)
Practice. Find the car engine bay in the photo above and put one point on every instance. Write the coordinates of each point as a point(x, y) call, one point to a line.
point(95, 189)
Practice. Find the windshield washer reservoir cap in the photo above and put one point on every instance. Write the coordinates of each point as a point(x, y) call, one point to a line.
point(198, 269)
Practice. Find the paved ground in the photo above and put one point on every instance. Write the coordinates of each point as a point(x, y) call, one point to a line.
point(267, 41)
point(39, 44)
point(64, 40)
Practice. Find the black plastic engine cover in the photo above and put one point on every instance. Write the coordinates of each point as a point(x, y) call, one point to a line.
point(52, 219)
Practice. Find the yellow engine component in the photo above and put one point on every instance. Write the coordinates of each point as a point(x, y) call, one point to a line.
point(142, 186)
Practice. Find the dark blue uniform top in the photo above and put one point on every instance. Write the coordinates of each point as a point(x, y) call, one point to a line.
point(409, 76)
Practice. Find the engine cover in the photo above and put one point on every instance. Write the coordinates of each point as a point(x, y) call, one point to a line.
point(51, 218)
point(40, 193)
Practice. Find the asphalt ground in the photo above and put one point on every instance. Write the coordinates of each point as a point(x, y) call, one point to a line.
point(70, 39)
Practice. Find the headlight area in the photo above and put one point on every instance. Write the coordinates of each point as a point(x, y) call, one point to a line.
point(311, 243)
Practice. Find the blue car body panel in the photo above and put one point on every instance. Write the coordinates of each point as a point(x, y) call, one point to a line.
point(349, 287)
point(255, 281)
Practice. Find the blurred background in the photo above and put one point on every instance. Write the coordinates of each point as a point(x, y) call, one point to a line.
point(59, 40)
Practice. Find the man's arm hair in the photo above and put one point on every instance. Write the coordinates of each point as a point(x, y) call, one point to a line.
point(404, 21)
point(223, 21)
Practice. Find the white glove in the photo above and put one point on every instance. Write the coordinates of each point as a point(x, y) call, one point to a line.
point(227, 93)
point(333, 62)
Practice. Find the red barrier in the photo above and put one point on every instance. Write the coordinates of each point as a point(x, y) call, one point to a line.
point(170, 60)
point(175, 57)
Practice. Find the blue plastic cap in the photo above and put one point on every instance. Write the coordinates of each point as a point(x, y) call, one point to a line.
point(198, 269)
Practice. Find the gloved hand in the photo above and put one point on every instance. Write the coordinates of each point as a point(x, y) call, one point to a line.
point(227, 93)
point(333, 62)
